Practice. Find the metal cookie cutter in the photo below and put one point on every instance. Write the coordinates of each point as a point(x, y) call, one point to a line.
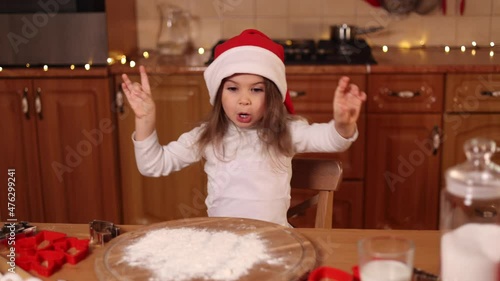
point(102, 231)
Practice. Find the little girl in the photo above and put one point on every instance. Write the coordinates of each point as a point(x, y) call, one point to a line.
point(250, 136)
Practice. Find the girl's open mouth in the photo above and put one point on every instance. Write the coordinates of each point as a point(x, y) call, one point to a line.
point(244, 118)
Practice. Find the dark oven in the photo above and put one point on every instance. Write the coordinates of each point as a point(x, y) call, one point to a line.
point(53, 32)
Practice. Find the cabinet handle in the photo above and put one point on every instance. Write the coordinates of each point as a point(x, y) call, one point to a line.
point(119, 100)
point(295, 94)
point(38, 103)
point(495, 94)
point(436, 139)
point(402, 94)
point(25, 104)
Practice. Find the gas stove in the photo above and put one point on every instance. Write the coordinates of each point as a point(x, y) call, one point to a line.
point(322, 52)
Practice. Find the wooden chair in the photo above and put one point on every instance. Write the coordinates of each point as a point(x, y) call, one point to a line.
point(322, 176)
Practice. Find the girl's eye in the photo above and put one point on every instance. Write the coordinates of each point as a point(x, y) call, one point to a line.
point(232, 89)
point(257, 90)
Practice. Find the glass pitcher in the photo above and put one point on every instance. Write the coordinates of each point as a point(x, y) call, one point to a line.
point(174, 36)
point(470, 216)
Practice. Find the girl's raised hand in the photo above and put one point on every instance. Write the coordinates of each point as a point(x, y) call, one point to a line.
point(139, 95)
point(346, 106)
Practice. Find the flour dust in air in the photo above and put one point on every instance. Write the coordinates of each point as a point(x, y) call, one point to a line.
point(188, 253)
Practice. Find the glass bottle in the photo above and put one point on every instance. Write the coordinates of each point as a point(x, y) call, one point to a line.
point(470, 216)
point(174, 35)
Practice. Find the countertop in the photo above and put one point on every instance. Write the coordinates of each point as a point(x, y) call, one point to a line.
point(335, 247)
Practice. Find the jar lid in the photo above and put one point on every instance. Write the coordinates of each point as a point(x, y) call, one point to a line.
point(478, 177)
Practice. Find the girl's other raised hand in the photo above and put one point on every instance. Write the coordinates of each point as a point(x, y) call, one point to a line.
point(141, 101)
point(139, 95)
point(347, 106)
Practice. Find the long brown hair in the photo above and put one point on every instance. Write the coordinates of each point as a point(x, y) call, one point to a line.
point(272, 128)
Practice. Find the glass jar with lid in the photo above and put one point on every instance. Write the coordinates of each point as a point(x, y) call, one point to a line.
point(470, 216)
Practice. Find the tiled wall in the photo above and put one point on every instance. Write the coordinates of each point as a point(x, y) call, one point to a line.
point(313, 18)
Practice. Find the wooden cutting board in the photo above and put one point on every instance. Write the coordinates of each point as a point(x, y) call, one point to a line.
point(296, 253)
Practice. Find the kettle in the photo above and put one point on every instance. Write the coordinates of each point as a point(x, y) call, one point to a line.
point(177, 29)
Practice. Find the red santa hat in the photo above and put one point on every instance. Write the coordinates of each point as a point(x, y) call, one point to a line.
point(250, 52)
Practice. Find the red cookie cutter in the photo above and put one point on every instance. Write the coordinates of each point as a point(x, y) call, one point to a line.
point(43, 240)
point(74, 249)
point(48, 262)
point(47, 251)
point(330, 273)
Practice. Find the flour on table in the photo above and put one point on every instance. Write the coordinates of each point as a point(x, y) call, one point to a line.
point(187, 253)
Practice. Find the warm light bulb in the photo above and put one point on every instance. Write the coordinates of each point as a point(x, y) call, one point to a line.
point(145, 54)
point(45, 67)
point(72, 67)
point(385, 49)
point(28, 65)
point(447, 49)
point(132, 63)
point(110, 60)
point(492, 44)
point(473, 52)
point(123, 60)
point(492, 53)
point(201, 51)
point(405, 45)
point(87, 66)
point(474, 43)
point(462, 49)
point(1, 68)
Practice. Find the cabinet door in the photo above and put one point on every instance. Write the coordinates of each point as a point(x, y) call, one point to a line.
point(348, 205)
point(19, 151)
point(76, 136)
point(181, 102)
point(403, 173)
point(458, 128)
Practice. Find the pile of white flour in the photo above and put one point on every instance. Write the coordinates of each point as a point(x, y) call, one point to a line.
point(187, 253)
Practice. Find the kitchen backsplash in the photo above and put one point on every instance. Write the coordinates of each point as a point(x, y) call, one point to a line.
point(313, 18)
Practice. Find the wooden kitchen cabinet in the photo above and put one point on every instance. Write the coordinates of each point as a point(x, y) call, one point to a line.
point(472, 110)
point(403, 154)
point(59, 136)
point(19, 150)
point(313, 99)
point(181, 103)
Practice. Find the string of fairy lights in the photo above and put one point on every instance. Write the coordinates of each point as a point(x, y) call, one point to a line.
point(116, 58)
point(448, 49)
point(122, 59)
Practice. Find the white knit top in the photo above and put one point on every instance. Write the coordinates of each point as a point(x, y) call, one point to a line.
point(245, 182)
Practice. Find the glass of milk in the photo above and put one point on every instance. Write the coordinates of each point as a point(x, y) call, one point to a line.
point(386, 258)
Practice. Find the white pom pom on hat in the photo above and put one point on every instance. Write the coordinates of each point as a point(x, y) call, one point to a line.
point(250, 52)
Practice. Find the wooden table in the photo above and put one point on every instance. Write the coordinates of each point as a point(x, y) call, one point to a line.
point(335, 248)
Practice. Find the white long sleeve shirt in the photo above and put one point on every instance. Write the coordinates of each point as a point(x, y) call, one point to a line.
point(245, 182)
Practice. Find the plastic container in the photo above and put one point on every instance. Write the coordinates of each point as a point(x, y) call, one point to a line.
point(470, 216)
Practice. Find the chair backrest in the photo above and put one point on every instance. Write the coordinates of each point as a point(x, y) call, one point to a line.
point(324, 177)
